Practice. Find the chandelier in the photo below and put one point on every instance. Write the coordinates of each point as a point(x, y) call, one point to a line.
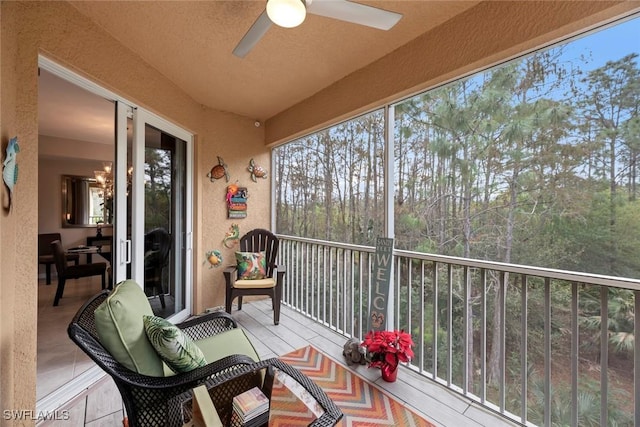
point(105, 178)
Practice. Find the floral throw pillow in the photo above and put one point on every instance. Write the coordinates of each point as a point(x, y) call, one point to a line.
point(251, 265)
point(175, 348)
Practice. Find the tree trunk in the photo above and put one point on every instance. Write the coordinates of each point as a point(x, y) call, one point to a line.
point(497, 351)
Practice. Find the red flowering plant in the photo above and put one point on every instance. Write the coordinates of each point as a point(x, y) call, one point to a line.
point(388, 348)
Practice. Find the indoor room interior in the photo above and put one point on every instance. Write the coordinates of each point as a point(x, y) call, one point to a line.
point(76, 138)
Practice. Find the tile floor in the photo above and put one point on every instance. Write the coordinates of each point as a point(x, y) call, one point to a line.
point(59, 359)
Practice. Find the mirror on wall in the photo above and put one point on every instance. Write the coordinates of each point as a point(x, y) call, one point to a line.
point(85, 203)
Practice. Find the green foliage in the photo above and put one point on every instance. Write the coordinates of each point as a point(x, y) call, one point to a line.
point(588, 405)
point(620, 319)
point(157, 189)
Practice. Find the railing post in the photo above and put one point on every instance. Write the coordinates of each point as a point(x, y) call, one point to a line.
point(483, 336)
point(636, 360)
point(604, 355)
point(503, 333)
point(547, 352)
point(422, 318)
point(574, 354)
point(524, 378)
point(449, 325)
point(466, 336)
point(389, 191)
point(436, 308)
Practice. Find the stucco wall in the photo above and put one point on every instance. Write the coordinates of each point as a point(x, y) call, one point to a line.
point(59, 32)
point(18, 300)
point(17, 345)
point(237, 142)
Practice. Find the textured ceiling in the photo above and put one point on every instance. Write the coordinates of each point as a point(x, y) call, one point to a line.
point(191, 43)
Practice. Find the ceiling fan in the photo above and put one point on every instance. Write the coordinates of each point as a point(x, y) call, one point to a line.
point(291, 13)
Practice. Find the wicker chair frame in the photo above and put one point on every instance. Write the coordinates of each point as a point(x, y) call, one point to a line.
point(145, 398)
point(225, 386)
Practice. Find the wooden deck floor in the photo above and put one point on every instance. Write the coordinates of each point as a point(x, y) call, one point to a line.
point(101, 404)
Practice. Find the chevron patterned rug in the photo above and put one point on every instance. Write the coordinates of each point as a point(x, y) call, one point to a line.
point(362, 403)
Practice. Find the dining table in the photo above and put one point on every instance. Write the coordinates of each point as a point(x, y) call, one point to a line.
point(90, 250)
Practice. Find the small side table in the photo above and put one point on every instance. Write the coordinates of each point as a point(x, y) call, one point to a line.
point(264, 374)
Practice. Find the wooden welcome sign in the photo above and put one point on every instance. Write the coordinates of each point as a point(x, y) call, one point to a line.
point(382, 269)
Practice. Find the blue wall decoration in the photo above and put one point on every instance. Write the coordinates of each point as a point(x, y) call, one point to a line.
point(10, 166)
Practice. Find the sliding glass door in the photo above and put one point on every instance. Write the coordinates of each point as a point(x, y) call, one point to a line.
point(153, 209)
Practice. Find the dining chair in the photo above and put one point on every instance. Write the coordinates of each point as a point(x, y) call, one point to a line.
point(45, 256)
point(66, 271)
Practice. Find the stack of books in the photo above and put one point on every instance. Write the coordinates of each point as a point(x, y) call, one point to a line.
point(250, 409)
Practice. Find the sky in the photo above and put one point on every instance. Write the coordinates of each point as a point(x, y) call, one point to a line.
point(610, 43)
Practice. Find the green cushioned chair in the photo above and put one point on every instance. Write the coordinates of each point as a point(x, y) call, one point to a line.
point(109, 328)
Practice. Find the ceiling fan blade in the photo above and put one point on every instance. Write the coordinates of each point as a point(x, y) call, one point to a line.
point(356, 13)
point(253, 36)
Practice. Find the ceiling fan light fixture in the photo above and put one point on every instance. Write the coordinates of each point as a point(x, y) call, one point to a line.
point(286, 13)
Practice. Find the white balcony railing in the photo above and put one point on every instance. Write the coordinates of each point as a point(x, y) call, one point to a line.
point(518, 340)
